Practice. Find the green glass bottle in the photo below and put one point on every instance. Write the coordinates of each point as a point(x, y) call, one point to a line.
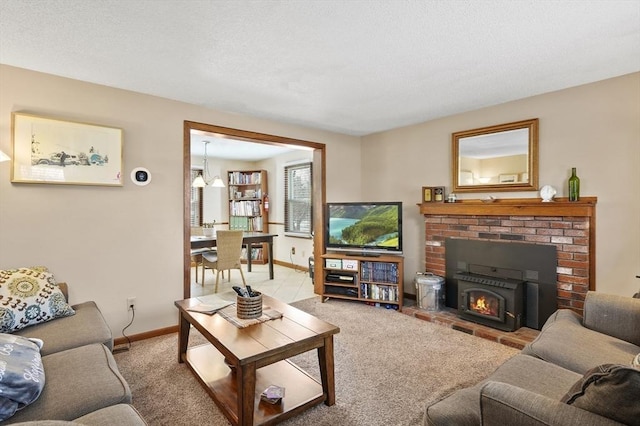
point(574, 186)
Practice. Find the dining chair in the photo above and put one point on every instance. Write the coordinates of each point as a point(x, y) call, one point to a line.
point(196, 254)
point(227, 256)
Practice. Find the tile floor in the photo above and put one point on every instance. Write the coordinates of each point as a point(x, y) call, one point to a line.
point(288, 284)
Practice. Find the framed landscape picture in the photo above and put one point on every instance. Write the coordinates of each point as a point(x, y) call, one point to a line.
point(48, 150)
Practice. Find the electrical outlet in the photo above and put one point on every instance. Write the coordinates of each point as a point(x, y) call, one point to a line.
point(293, 250)
point(131, 303)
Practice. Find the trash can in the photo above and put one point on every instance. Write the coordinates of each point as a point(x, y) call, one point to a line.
point(429, 291)
point(311, 266)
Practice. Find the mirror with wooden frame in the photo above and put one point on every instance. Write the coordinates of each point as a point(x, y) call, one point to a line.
point(496, 158)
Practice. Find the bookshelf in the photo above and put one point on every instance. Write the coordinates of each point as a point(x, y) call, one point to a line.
point(375, 280)
point(247, 191)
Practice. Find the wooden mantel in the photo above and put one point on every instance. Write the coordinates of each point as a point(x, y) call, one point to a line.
point(585, 207)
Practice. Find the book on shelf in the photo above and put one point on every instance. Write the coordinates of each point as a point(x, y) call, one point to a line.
point(256, 253)
point(245, 223)
point(386, 293)
point(245, 207)
point(383, 272)
point(244, 178)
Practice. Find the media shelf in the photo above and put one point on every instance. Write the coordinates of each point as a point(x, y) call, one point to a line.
point(363, 278)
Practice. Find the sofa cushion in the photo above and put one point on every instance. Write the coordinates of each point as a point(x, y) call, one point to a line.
point(463, 407)
point(29, 296)
point(120, 414)
point(85, 327)
point(611, 314)
point(79, 381)
point(503, 404)
point(21, 373)
point(563, 339)
point(610, 390)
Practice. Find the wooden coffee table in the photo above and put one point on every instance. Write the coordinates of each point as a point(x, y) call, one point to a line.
point(239, 363)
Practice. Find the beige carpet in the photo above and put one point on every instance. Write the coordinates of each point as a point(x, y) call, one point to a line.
point(388, 367)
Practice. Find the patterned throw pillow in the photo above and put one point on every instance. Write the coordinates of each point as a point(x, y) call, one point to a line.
point(29, 296)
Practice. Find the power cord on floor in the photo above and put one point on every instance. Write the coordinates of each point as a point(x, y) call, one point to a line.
point(126, 347)
point(297, 268)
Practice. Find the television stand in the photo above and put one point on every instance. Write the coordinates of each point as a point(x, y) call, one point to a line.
point(367, 277)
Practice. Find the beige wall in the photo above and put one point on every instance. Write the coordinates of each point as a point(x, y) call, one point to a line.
point(110, 243)
point(595, 128)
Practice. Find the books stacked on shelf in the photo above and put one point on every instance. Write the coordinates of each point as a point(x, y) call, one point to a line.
point(243, 178)
point(245, 223)
point(238, 193)
point(256, 253)
point(381, 272)
point(245, 208)
point(379, 292)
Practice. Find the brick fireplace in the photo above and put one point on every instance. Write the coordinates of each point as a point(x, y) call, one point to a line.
point(569, 226)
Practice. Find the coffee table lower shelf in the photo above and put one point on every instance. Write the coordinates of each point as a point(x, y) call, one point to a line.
point(301, 390)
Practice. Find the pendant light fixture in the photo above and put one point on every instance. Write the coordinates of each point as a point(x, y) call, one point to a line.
point(204, 178)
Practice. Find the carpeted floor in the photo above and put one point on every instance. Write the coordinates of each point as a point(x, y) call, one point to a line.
point(388, 367)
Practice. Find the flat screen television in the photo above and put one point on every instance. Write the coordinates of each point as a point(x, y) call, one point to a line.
point(367, 228)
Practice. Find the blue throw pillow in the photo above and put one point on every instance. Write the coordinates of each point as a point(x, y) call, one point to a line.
point(21, 373)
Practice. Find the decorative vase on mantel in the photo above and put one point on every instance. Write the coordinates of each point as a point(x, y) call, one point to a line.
point(574, 186)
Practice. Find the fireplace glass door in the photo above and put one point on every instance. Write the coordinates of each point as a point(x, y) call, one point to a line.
point(484, 303)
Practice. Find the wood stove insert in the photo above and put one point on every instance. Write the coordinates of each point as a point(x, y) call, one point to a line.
point(495, 302)
point(504, 264)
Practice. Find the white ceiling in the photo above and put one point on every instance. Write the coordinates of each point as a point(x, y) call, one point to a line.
point(354, 67)
point(232, 149)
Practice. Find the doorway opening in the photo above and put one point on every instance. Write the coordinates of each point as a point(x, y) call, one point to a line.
point(318, 196)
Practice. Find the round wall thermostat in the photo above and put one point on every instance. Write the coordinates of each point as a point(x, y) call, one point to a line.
point(140, 176)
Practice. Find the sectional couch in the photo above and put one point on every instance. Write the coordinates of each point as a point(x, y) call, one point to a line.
point(82, 384)
point(578, 371)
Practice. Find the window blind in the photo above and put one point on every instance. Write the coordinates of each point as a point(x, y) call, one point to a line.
point(297, 204)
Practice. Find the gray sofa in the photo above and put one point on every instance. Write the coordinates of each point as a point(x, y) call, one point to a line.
point(82, 381)
point(562, 377)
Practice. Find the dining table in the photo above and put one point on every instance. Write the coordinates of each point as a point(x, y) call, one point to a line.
point(248, 240)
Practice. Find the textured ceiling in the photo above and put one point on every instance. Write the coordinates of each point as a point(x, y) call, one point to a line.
point(354, 67)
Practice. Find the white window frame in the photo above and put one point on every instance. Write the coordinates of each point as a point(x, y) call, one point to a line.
point(296, 201)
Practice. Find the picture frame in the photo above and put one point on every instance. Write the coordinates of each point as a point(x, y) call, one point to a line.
point(438, 194)
point(433, 194)
point(427, 194)
point(54, 151)
point(508, 178)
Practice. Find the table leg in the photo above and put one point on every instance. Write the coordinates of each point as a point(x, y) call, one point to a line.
point(325, 356)
point(249, 257)
point(183, 337)
point(246, 384)
point(271, 259)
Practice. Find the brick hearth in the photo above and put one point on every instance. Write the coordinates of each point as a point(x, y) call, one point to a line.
point(568, 226)
point(449, 318)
